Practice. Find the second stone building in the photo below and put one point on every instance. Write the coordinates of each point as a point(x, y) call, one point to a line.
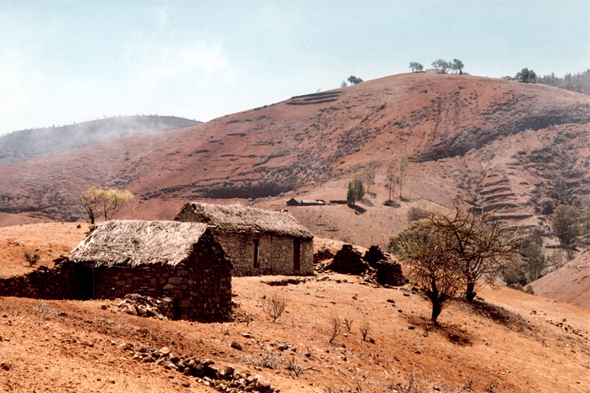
point(256, 241)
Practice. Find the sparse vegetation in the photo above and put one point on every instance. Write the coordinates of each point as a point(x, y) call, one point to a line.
point(415, 66)
point(402, 173)
point(390, 178)
point(566, 225)
point(335, 328)
point(365, 329)
point(479, 246)
point(105, 202)
point(416, 214)
point(354, 80)
point(579, 82)
point(348, 324)
point(274, 305)
point(367, 176)
point(526, 76)
point(491, 384)
point(31, 257)
point(432, 269)
point(356, 191)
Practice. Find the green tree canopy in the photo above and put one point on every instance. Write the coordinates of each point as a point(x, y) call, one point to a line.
point(566, 226)
point(415, 66)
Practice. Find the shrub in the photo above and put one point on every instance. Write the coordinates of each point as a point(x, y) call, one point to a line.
point(336, 326)
point(348, 324)
point(274, 305)
point(365, 330)
point(416, 214)
point(31, 257)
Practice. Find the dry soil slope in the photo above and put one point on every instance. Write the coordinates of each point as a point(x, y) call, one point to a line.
point(570, 283)
point(532, 345)
point(493, 144)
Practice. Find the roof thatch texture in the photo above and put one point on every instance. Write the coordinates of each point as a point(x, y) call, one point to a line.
point(137, 243)
point(238, 218)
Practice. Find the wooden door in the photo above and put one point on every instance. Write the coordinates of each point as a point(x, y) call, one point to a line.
point(296, 255)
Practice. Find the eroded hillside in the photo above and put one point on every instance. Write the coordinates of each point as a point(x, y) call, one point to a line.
point(512, 148)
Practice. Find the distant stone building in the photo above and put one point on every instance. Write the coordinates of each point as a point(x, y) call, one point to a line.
point(182, 261)
point(256, 241)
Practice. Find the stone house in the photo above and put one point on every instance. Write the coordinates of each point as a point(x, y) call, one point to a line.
point(256, 241)
point(179, 260)
point(182, 261)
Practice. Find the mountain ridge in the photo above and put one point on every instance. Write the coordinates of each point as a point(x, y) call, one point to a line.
point(28, 144)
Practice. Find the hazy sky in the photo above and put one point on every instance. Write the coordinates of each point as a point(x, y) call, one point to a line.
point(69, 61)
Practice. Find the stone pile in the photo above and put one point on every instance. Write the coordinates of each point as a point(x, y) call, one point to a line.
point(145, 306)
point(348, 261)
point(375, 266)
point(322, 255)
point(205, 371)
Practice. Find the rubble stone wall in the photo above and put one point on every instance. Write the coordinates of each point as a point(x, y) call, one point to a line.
point(275, 254)
point(59, 282)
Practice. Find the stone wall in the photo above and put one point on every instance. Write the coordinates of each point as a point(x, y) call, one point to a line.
point(275, 254)
point(59, 282)
point(200, 287)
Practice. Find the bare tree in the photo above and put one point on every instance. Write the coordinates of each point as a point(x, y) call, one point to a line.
point(432, 269)
point(480, 245)
point(390, 178)
point(367, 175)
point(402, 173)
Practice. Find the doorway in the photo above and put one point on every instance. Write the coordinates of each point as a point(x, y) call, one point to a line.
point(296, 254)
point(85, 283)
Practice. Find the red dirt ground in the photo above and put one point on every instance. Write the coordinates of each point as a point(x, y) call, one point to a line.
point(61, 346)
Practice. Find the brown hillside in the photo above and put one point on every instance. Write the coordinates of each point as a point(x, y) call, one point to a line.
point(513, 148)
point(523, 342)
point(570, 284)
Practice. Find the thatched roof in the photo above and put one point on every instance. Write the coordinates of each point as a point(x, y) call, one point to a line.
point(138, 243)
point(238, 218)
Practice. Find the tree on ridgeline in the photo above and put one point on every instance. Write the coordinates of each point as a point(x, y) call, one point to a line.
point(354, 80)
point(526, 76)
point(415, 66)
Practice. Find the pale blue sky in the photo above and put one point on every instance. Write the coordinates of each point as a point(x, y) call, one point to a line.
point(66, 61)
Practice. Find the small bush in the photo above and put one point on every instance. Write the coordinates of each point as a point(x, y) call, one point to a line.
point(295, 367)
point(336, 326)
point(348, 324)
point(491, 384)
point(274, 305)
point(416, 214)
point(365, 330)
point(31, 257)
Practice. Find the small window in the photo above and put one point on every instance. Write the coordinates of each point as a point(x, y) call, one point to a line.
point(255, 256)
